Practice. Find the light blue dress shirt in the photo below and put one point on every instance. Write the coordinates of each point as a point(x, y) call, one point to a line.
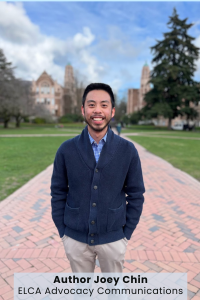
point(97, 147)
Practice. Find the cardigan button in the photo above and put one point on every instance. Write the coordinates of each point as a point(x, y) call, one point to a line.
point(94, 204)
point(92, 222)
point(92, 234)
point(96, 170)
point(92, 241)
point(95, 187)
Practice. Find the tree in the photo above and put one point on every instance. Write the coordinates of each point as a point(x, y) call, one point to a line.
point(172, 75)
point(120, 109)
point(6, 89)
point(23, 100)
point(135, 117)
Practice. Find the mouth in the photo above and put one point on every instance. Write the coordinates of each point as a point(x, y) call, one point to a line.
point(97, 120)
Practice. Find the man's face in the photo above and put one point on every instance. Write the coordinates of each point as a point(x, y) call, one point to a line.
point(98, 110)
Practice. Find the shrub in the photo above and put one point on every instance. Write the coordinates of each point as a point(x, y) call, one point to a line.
point(39, 121)
point(70, 118)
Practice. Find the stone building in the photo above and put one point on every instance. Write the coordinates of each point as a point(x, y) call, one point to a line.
point(56, 99)
point(136, 101)
point(69, 91)
point(48, 93)
point(136, 96)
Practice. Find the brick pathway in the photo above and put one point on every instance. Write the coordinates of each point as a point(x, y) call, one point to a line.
point(167, 238)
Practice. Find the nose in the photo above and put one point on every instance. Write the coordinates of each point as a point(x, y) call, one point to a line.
point(97, 109)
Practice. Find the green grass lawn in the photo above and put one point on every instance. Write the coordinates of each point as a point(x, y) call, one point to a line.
point(182, 154)
point(164, 133)
point(27, 128)
point(23, 158)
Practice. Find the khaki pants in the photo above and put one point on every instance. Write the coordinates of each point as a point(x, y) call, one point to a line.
point(82, 257)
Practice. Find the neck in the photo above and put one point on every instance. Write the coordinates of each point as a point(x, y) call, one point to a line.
point(97, 135)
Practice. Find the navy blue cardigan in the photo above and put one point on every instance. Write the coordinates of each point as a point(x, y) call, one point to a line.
point(97, 203)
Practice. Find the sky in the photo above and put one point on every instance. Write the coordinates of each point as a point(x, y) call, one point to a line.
point(104, 41)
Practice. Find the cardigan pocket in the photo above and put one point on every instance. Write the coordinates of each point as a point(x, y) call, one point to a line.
point(116, 218)
point(71, 218)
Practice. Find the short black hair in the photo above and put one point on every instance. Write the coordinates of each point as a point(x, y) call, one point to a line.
point(99, 86)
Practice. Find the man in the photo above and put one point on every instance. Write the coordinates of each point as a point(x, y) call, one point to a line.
point(92, 175)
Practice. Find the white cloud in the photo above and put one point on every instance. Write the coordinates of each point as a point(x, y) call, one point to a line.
point(16, 26)
point(117, 46)
point(33, 52)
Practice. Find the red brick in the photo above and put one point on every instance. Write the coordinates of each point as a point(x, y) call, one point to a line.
point(36, 253)
point(52, 253)
point(24, 264)
point(8, 295)
point(142, 255)
point(191, 257)
point(175, 256)
point(129, 266)
point(183, 257)
point(10, 264)
point(167, 256)
point(190, 276)
point(5, 289)
point(28, 253)
point(45, 253)
point(195, 283)
point(159, 255)
point(134, 255)
point(151, 255)
point(20, 253)
point(192, 288)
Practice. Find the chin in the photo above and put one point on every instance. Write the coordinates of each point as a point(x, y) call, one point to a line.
point(98, 129)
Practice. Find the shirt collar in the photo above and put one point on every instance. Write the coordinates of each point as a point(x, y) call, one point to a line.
point(93, 141)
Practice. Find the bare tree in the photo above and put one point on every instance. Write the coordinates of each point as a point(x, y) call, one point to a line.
point(41, 111)
point(23, 100)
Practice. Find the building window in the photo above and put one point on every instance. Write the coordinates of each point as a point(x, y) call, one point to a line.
point(42, 100)
point(53, 90)
point(45, 88)
point(52, 101)
point(48, 101)
point(37, 90)
point(53, 111)
point(38, 100)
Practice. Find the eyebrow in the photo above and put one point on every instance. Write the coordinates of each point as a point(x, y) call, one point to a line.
point(107, 101)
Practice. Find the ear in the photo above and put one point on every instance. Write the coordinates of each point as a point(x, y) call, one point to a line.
point(113, 112)
point(82, 111)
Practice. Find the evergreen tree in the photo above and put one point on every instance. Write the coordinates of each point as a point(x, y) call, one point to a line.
point(172, 77)
point(6, 89)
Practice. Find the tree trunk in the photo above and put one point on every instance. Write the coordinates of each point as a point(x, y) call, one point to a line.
point(169, 124)
point(6, 123)
point(18, 120)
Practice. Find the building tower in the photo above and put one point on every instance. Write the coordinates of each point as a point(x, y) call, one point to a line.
point(69, 78)
point(70, 101)
point(144, 84)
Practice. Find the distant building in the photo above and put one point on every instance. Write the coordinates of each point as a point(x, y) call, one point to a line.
point(136, 96)
point(69, 91)
point(57, 99)
point(136, 101)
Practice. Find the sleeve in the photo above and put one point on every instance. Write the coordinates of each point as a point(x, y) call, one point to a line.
point(134, 188)
point(59, 190)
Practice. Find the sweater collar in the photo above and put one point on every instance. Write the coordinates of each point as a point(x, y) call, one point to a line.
point(93, 141)
point(85, 148)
